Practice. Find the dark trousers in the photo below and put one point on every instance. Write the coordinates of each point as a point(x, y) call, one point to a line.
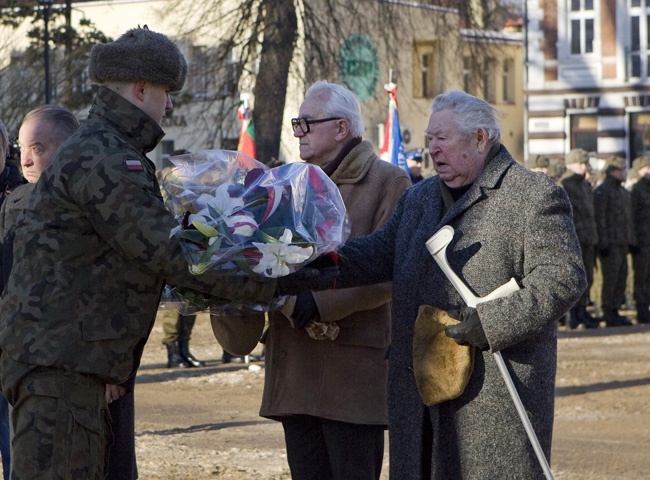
point(641, 265)
point(589, 259)
point(321, 449)
point(614, 269)
point(121, 454)
point(5, 437)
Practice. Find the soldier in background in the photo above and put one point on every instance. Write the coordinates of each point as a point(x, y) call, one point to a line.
point(556, 168)
point(538, 163)
point(582, 201)
point(641, 223)
point(615, 235)
point(10, 178)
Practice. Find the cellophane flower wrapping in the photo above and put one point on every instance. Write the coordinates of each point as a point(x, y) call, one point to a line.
point(237, 216)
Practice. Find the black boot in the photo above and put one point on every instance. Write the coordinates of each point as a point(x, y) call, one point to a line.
point(643, 313)
point(587, 319)
point(184, 350)
point(613, 319)
point(174, 359)
point(574, 318)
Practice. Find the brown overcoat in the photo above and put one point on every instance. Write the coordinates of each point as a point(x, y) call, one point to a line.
point(343, 379)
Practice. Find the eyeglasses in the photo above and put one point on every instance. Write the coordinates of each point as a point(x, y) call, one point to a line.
point(304, 123)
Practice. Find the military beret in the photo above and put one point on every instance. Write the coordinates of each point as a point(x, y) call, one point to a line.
point(641, 162)
point(139, 55)
point(537, 161)
point(614, 162)
point(577, 155)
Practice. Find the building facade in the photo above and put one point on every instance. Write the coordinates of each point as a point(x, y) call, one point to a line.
point(428, 54)
point(586, 77)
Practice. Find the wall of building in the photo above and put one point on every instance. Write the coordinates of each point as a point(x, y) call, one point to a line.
point(588, 96)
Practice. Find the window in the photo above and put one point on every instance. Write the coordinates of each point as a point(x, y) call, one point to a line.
point(639, 134)
point(581, 26)
point(584, 132)
point(199, 72)
point(508, 80)
point(425, 77)
point(489, 90)
point(212, 71)
point(427, 74)
point(468, 85)
point(639, 57)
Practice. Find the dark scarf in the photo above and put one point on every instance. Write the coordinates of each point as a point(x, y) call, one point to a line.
point(451, 195)
point(331, 167)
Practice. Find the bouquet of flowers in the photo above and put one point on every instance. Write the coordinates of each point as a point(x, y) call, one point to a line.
point(237, 216)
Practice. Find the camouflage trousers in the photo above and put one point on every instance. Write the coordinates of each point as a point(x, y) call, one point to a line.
point(61, 424)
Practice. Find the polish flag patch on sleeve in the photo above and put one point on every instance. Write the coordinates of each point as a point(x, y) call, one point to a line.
point(133, 165)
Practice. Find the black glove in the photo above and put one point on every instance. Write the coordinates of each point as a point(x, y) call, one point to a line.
point(469, 331)
point(307, 278)
point(305, 309)
point(331, 259)
point(603, 252)
point(633, 249)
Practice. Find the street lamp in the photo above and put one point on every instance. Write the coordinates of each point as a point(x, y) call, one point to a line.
point(46, 4)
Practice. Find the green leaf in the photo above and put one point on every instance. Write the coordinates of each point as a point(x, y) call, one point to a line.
point(193, 236)
point(206, 230)
point(266, 238)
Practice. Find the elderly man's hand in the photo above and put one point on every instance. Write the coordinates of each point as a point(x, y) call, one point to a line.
point(469, 331)
point(305, 310)
point(307, 278)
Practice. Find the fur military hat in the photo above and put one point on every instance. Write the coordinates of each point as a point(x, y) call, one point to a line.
point(577, 155)
point(537, 161)
point(614, 162)
point(139, 55)
point(556, 168)
point(641, 162)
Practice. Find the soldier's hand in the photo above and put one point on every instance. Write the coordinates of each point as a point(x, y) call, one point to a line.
point(114, 392)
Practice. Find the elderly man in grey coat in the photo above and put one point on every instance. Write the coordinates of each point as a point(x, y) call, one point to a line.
point(509, 222)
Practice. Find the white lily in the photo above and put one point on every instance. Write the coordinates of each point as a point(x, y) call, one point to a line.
point(276, 257)
point(221, 201)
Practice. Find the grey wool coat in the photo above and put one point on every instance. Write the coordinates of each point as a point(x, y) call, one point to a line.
point(510, 223)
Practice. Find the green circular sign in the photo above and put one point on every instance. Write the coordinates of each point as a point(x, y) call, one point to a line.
point(359, 66)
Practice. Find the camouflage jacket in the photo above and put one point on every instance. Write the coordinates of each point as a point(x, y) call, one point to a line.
point(581, 197)
point(10, 178)
point(11, 208)
point(94, 250)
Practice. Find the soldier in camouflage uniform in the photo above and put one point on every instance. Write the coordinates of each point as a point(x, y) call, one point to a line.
point(584, 219)
point(90, 264)
point(641, 255)
point(41, 133)
point(615, 235)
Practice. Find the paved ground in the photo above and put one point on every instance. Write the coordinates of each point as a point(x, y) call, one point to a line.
point(203, 424)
